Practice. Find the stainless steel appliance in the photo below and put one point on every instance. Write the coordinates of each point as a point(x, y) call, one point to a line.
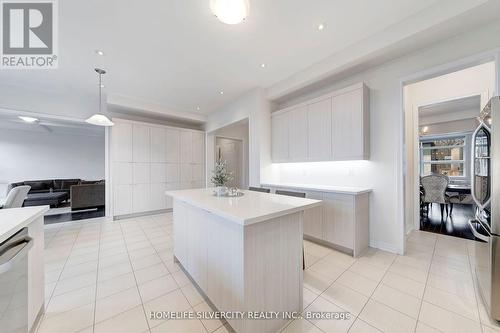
point(14, 283)
point(486, 194)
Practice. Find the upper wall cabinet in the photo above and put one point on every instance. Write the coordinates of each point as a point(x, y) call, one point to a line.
point(158, 144)
point(333, 127)
point(141, 143)
point(122, 143)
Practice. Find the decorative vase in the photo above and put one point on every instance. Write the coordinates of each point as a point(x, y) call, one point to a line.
point(221, 190)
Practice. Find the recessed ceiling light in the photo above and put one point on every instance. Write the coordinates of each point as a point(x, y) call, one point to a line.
point(28, 119)
point(230, 11)
point(102, 85)
point(198, 108)
point(221, 92)
point(321, 26)
point(99, 52)
point(262, 65)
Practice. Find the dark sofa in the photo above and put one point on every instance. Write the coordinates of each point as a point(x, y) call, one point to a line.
point(53, 192)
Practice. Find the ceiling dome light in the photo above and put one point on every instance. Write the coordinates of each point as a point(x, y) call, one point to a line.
point(30, 120)
point(230, 11)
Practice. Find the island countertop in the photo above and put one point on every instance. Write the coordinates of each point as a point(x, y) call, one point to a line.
point(252, 207)
point(14, 219)
point(321, 188)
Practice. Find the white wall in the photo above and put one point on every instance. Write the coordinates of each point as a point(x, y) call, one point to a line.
point(30, 155)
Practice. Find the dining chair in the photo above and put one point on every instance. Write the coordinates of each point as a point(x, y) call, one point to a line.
point(16, 197)
point(260, 189)
point(299, 195)
point(435, 191)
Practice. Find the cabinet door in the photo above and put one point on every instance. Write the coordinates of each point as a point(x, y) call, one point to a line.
point(347, 126)
point(198, 147)
point(319, 130)
point(122, 173)
point(141, 173)
point(198, 172)
point(122, 199)
point(172, 137)
point(121, 142)
point(186, 173)
point(338, 219)
point(186, 146)
point(279, 137)
point(141, 143)
point(313, 218)
point(158, 145)
point(172, 173)
point(158, 173)
point(158, 197)
point(298, 134)
point(141, 197)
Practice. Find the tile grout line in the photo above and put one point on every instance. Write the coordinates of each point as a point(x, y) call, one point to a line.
point(97, 275)
point(474, 286)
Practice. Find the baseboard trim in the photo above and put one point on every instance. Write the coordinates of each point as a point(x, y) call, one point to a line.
point(153, 212)
point(384, 246)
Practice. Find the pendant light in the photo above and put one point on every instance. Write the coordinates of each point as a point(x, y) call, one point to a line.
point(230, 11)
point(100, 119)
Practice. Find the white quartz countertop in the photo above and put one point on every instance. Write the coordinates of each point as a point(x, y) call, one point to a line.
point(14, 219)
point(253, 207)
point(320, 188)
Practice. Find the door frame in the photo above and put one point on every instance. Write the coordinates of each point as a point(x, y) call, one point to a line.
point(243, 154)
point(403, 179)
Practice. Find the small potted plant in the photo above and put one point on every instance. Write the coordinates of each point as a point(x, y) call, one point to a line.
point(220, 177)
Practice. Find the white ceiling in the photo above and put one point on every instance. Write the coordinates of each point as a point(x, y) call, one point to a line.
point(472, 103)
point(174, 55)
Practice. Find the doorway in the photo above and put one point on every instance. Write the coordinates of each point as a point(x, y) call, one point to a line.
point(440, 116)
point(230, 144)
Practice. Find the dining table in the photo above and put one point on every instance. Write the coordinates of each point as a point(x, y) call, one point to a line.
point(459, 188)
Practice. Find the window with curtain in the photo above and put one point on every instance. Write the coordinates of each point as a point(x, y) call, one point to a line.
point(446, 155)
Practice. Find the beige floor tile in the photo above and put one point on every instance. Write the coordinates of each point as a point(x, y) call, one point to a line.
point(115, 285)
point(70, 321)
point(180, 326)
point(329, 325)
point(446, 321)
point(151, 273)
point(301, 326)
point(317, 250)
point(369, 271)
point(316, 282)
point(397, 300)
point(192, 294)
point(346, 298)
point(210, 324)
point(360, 326)
point(157, 287)
point(115, 304)
point(75, 283)
point(131, 321)
point(113, 271)
point(181, 278)
point(173, 301)
point(310, 259)
point(70, 300)
point(404, 284)
point(144, 262)
point(327, 268)
point(308, 297)
point(423, 328)
point(410, 272)
point(387, 319)
point(461, 305)
point(357, 282)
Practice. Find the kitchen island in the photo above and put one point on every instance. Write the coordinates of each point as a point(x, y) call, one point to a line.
point(23, 286)
point(244, 253)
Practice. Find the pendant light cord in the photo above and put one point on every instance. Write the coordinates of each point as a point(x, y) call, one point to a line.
point(100, 92)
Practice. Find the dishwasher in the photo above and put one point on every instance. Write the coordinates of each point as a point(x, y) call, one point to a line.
point(14, 282)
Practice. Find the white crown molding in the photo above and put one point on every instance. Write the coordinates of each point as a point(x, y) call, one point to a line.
point(125, 102)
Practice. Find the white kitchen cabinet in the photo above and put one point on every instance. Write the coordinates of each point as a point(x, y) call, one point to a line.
point(313, 217)
point(158, 145)
point(172, 149)
point(158, 172)
point(141, 173)
point(342, 222)
point(198, 147)
point(186, 147)
point(297, 135)
point(122, 173)
point(280, 137)
point(121, 145)
point(141, 143)
point(149, 162)
point(122, 197)
point(350, 129)
point(319, 130)
point(141, 198)
point(158, 197)
point(335, 126)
